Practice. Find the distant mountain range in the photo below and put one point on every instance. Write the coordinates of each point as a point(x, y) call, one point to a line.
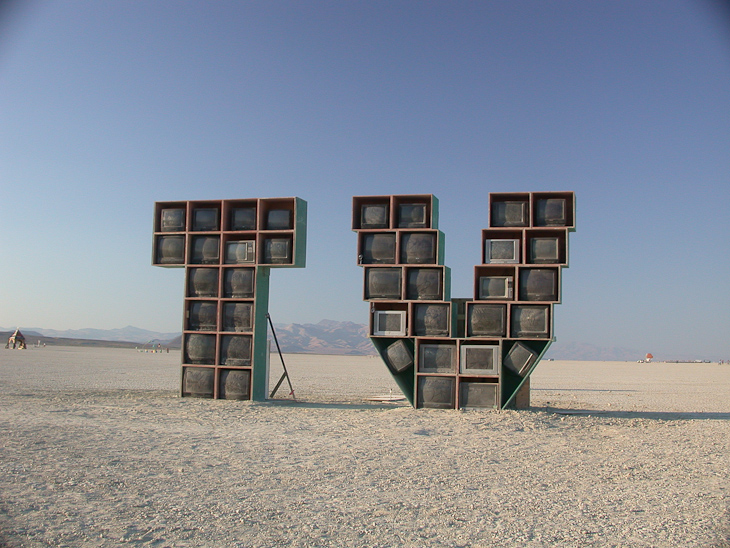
point(325, 337)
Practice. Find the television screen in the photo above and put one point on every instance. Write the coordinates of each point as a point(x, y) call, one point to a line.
point(437, 358)
point(551, 212)
point(277, 251)
point(202, 316)
point(241, 252)
point(170, 250)
point(520, 358)
point(398, 357)
point(424, 284)
point(383, 283)
point(236, 350)
point(418, 248)
point(243, 218)
point(496, 287)
point(538, 284)
point(545, 250)
point(235, 384)
point(431, 319)
point(487, 320)
point(237, 316)
point(172, 220)
point(479, 395)
point(509, 213)
point(412, 216)
point(206, 250)
point(378, 248)
point(389, 323)
point(238, 283)
point(502, 251)
point(436, 392)
point(480, 359)
point(374, 216)
point(530, 321)
point(200, 349)
point(279, 219)
point(203, 282)
point(198, 382)
point(205, 219)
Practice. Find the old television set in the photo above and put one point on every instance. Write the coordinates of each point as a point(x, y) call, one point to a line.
point(198, 382)
point(424, 284)
point(389, 323)
point(172, 220)
point(478, 395)
point(279, 219)
point(510, 213)
point(413, 216)
point(398, 356)
point(545, 250)
point(538, 284)
point(487, 320)
point(238, 283)
point(383, 283)
point(243, 218)
point(277, 251)
point(418, 248)
point(199, 349)
point(240, 252)
point(236, 350)
point(203, 282)
point(520, 358)
point(436, 392)
point(431, 319)
point(531, 321)
point(374, 216)
point(437, 358)
point(479, 359)
point(237, 317)
point(378, 248)
point(205, 219)
point(502, 251)
point(170, 250)
point(496, 287)
point(205, 250)
point(551, 212)
point(235, 384)
point(202, 316)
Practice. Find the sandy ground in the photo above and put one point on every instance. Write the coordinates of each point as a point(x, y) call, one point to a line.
point(97, 450)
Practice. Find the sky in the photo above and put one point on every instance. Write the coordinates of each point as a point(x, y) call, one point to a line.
point(109, 106)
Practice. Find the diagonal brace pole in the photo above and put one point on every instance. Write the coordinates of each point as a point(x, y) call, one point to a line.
point(285, 375)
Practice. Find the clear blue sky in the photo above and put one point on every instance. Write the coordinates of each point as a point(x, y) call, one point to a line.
point(109, 106)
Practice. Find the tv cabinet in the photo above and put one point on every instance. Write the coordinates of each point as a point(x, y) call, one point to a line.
point(228, 248)
point(493, 341)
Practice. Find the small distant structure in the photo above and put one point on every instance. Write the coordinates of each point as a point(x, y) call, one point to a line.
point(17, 340)
point(649, 357)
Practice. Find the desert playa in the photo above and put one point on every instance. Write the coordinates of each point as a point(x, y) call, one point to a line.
point(98, 450)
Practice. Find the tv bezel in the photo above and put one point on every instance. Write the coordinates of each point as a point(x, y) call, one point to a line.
point(428, 345)
point(400, 333)
point(509, 287)
point(522, 334)
point(366, 226)
point(497, 360)
point(487, 249)
point(250, 246)
point(480, 304)
point(367, 283)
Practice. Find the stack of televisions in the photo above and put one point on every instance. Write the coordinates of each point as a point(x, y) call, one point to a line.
point(227, 248)
point(463, 353)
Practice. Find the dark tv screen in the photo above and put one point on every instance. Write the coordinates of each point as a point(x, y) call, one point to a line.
point(198, 382)
point(437, 358)
point(412, 216)
point(545, 250)
point(378, 248)
point(480, 359)
point(279, 219)
point(487, 320)
point(431, 320)
point(238, 283)
point(551, 212)
point(374, 216)
point(509, 213)
point(206, 250)
point(236, 350)
point(418, 248)
point(424, 284)
point(205, 219)
point(479, 395)
point(398, 357)
point(238, 317)
point(235, 384)
point(170, 250)
point(172, 220)
point(200, 349)
point(502, 250)
point(241, 252)
point(202, 316)
point(277, 251)
point(538, 284)
point(519, 358)
point(530, 321)
point(383, 283)
point(203, 282)
point(243, 218)
point(496, 287)
point(436, 392)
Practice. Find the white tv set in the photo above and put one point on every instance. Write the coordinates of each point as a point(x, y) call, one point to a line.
point(502, 251)
point(389, 323)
